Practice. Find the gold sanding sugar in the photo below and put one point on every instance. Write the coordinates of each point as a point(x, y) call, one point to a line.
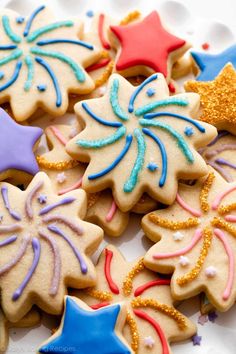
point(218, 97)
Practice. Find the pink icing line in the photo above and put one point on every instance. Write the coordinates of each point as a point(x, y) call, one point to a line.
point(111, 212)
point(230, 218)
point(71, 188)
point(58, 135)
point(28, 202)
point(220, 234)
point(197, 236)
point(187, 207)
point(59, 218)
point(221, 196)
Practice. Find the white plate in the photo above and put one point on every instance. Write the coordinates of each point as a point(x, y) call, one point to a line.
point(217, 338)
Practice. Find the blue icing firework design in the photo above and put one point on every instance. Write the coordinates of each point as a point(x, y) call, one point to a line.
point(149, 126)
point(36, 54)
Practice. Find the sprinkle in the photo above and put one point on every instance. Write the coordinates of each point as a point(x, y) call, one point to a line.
point(205, 46)
point(173, 225)
point(184, 261)
point(128, 282)
point(58, 166)
point(1, 75)
point(202, 319)
point(90, 13)
point(150, 92)
point(149, 342)
point(205, 192)
point(61, 177)
point(196, 340)
point(42, 87)
point(42, 198)
point(20, 19)
point(152, 166)
point(212, 316)
point(207, 238)
point(134, 332)
point(178, 236)
point(188, 131)
point(155, 305)
point(99, 295)
point(210, 272)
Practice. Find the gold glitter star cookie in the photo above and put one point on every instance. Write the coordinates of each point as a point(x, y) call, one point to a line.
point(218, 99)
point(39, 227)
point(152, 321)
point(196, 239)
point(30, 320)
point(139, 139)
point(42, 60)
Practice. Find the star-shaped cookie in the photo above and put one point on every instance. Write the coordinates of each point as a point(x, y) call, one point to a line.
point(17, 144)
point(210, 65)
point(138, 139)
point(45, 246)
point(152, 321)
point(196, 239)
point(218, 99)
point(87, 331)
point(146, 47)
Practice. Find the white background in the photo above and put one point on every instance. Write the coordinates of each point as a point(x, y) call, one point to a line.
point(211, 21)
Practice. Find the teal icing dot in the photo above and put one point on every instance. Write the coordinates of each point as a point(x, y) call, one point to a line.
point(150, 92)
point(42, 87)
point(188, 131)
point(152, 166)
point(1, 75)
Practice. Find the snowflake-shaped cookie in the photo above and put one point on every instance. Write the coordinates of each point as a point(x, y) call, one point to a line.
point(45, 247)
point(152, 320)
point(41, 61)
point(138, 139)
point(197, 241)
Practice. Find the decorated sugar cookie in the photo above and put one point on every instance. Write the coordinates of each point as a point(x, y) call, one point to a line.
point(31, 319)
point(39, 228)
point(138, 139)
point(84, 330)
point(66, 175)
point(146, 47)
point(220, 154)
point(196, 239)
point(17, 145)
point(209, 66)
point(152, 322)
point(218, 99)
point(41, 61)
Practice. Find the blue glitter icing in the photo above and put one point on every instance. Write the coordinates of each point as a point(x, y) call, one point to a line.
point(188, 131)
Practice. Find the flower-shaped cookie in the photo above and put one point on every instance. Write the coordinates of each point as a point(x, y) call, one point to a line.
point(218, 99)
point(45, 246)
point(41, 61)
point(152, 321)
point(138, 139)
point(220, 154)
point(197, 240)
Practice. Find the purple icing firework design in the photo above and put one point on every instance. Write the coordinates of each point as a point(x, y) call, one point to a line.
point(38, 51)
point(148, 118)
point(48, 224)
point(220, 164)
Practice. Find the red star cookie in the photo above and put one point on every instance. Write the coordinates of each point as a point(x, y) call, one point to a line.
point(146, 47)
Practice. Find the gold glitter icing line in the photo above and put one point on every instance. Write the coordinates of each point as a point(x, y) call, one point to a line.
point(134, 15)
point(134, 332)
point(173, 225)
point(167, 310)
point(92, 199)
point(207, 184)
point(128, 282)
point(224, 209)
point(59, 166)
point(104, 54)
point(222, 224)
point(105, 75)
point(99, 295)
point(193, 273)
